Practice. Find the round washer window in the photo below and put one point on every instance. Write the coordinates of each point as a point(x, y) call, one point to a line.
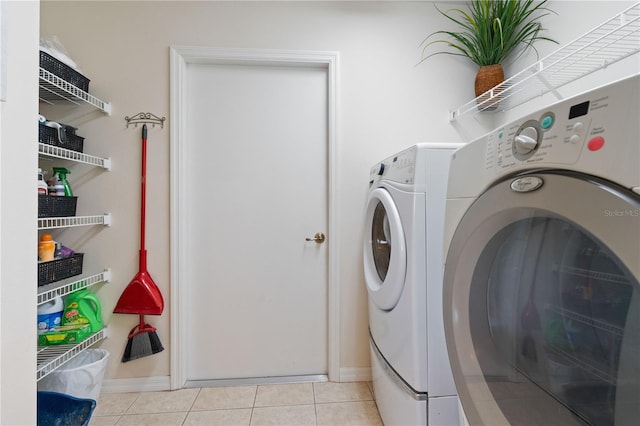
point(385, 253)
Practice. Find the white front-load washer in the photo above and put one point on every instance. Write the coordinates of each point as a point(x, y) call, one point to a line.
point(403, 261)
point(541, 282)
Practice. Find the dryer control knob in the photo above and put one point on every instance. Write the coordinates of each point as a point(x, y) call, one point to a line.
point(526, 141)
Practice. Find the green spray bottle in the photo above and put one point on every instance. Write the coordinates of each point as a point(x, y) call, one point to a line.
point(62, 175)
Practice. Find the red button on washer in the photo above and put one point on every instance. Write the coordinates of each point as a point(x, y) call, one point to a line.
point(595, 143)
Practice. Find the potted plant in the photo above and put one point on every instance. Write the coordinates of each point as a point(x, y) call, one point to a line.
point(490, 32)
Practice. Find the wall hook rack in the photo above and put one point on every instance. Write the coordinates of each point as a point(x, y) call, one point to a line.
point(145, 118)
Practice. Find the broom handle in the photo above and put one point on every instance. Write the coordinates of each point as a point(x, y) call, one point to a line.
point(143, 199)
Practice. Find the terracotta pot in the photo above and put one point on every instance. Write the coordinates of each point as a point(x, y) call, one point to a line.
point(487, 78)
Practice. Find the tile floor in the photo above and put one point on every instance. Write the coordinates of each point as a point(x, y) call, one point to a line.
point(299, 404)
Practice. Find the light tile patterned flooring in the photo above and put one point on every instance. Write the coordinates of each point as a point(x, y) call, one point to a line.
point(299, 404)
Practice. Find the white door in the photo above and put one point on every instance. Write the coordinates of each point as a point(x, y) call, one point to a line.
point(256, 182)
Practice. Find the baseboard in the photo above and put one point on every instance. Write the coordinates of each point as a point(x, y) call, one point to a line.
point(137, 384)
point(355, 374)
point(163, 383)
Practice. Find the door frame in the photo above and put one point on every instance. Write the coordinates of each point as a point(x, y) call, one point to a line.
point(180, 58)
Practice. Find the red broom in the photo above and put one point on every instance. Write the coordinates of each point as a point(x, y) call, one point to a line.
point(142, 296)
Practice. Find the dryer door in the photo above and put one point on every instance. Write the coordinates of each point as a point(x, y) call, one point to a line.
point(542, 303)
point(385, 250)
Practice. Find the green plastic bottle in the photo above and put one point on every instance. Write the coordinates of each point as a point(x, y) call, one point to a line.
point(62, 174)
point(83, 307)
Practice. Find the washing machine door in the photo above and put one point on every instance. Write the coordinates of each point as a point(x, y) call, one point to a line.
point(542, 303)
point(385, 250)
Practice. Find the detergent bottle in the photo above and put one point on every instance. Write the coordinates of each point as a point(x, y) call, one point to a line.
point(46, 248)
point(83, 307)
point(62, 175)
point(50, 314)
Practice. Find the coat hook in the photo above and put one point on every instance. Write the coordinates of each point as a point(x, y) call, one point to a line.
point(145, 118)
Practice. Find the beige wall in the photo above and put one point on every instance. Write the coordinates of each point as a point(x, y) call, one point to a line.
point(386, 104)
point(124, 48)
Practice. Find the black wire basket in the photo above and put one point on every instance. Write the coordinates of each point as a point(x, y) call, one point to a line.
point(56, 206)
point(56, 270)
point(50, 136)
point(63, 71)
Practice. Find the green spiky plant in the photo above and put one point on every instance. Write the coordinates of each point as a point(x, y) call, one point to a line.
point(492, 30)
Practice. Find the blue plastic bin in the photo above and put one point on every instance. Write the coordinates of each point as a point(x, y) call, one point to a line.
point(59, 409)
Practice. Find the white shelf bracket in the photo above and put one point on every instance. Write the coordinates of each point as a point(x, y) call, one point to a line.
point(549, 86)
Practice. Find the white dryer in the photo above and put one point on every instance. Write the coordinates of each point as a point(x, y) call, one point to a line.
point(403, 261)
point(541, 282)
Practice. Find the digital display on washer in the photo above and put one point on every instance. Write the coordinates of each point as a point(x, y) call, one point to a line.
point(579, 110)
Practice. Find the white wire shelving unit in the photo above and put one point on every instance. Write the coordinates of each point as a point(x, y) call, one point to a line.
point(54, 89)
point(48, 292)
point(67, 154)
point(52, 357)
point(49, 358)
point(73, 221)
point(616, 39)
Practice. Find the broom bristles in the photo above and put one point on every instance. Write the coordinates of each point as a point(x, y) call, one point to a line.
point(143, 343)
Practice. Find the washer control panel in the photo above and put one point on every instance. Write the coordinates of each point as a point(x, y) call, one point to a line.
point(399, 168)
point(561, 133)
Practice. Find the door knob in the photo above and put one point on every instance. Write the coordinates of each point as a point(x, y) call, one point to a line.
point(318, 238)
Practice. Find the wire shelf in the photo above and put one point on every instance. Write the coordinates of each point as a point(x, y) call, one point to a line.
point(48, 292)
point(72, 221)
point(54, 88)
point(592, 322)
point(68, 154)
point(612, 41)
point(52, 357)
point(597, 275)
point(601, 371)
